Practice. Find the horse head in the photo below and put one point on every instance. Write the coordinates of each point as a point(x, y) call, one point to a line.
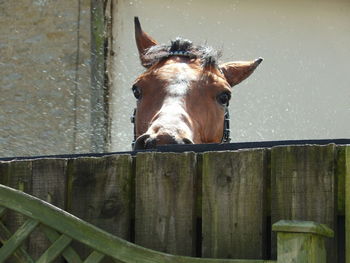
point(184, 93)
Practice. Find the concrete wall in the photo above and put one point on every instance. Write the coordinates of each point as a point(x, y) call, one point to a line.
point(45, 77)
point(300, 91)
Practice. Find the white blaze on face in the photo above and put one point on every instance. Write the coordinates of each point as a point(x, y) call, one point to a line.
point(180, 82)
point(172, 118)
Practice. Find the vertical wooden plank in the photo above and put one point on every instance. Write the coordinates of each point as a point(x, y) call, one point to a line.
point(340, 172)
point(99, 192)
point(49, 184)
point(18, 175)
point(304, 188)
point(165, 202)
point(3, 172)
point(233, 204)
point(347, 204)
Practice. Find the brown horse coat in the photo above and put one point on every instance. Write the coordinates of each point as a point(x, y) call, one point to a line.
point(182, 95)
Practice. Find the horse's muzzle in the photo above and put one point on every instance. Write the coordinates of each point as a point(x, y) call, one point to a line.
point(147, 141)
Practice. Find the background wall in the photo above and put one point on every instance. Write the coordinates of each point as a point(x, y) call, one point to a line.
point(45, 77)
point(300, 91)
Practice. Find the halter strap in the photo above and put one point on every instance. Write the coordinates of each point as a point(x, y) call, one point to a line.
point(225, 135)
point(132, 119)
point(226, 132)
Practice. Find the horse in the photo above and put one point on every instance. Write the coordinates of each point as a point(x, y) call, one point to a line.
point(184, 93)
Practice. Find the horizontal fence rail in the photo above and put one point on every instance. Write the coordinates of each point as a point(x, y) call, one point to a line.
point(211, 204)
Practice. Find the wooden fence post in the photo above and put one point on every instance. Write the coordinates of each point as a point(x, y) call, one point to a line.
point(304, 187)
point(301, 241)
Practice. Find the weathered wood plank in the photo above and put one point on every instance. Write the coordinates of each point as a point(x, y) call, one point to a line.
point(347, 203)
point(49, 184)
point(99, 192)
point(340, 171)
point(3, 173)
point(304, 188)
point(233, 204)
point(165, 202)
point(18, 175)
point(2, 211)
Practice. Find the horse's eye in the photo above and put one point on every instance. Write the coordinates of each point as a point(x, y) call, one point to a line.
point(224, 98)
point(137, 92)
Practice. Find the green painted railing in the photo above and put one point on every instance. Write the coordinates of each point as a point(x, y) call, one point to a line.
point(62, 228)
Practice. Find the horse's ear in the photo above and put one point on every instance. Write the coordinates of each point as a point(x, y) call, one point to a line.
point(235, 72)
point(143, 41)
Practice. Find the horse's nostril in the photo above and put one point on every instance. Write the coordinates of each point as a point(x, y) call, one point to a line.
point(187, 141)
point(140, 143)
point(145, 141)
point(150, 143)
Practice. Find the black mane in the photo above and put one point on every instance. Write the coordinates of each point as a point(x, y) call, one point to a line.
point(183, 47)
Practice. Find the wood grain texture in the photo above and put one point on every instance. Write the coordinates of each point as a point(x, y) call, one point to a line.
point(3, 173)
point(301, 241)
point(49, 184)
point(347, 202)
point(303, 187)
point(165, 202)
point(99, 192)
point(340, 171)
point(18, 175)
point(233, 204)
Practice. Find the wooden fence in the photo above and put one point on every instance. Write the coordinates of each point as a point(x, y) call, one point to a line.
point(213, 204)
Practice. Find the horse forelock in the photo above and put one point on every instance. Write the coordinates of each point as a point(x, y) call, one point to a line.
point(183, 47)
